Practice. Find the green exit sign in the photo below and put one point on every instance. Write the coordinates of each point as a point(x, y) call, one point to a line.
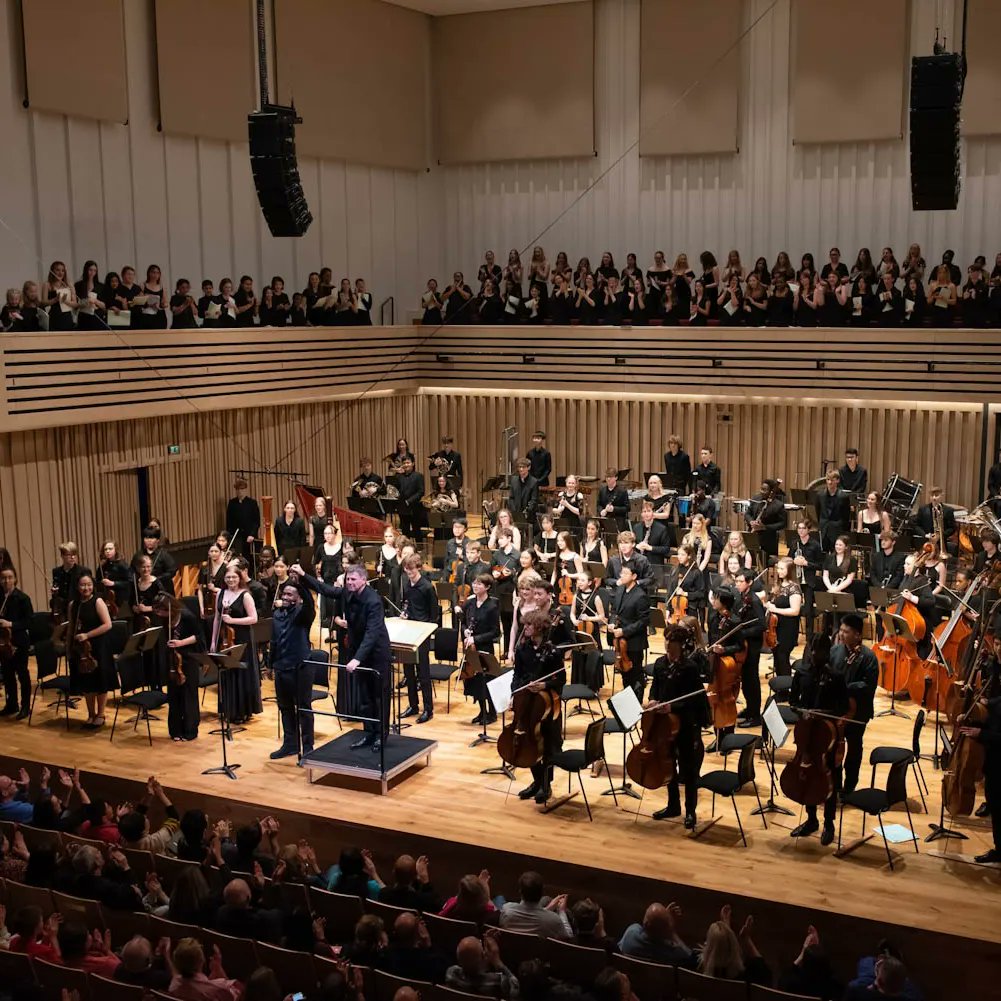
point(173, 450)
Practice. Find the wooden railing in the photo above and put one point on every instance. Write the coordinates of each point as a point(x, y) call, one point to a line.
point(57, 379)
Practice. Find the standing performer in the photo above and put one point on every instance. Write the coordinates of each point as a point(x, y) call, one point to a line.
point(65, 578)
point(613, 500)
point(367, 645)
point(751, 611)
point(535, 657)
point(236, 613)
point(293, 682)
point(989, 735)
point(481, 630)
point(769, 516)
point(854, 477)
point(675, 676)
point(447, 462)
point(808, 555)
point(164, 565)
point(243, 515)
point(410, 484)
point(677, 466)
point(420, 604)
point(786, 603)
point(628, 629)
point(15, 617)
point(652, 538)
point(858, 666)
point(113, 573)
point(290, 530)
point(524, 491)
point(541, 460)
point(834, 508)
point(184, 639)
point(628, 557)
point(91, 668)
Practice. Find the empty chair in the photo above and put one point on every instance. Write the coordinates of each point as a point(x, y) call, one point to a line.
point(136, 695)
point(447, 933)
point(574, 761)
point(446, 654)
point(577, 964)
point(87, 911)
point(583, 695)
point(516, 947)
point(723, 782)
point(39, 838)
point(888, 755)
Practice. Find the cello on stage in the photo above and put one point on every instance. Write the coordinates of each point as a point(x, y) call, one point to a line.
point(898, 657)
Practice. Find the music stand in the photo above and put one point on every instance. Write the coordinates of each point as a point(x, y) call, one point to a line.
point(836, 603)
point(406, 636)
point(895, 626)
point(778, 733)
point(138, 644)
point(487, 666)
point(225, 663)
point(499, 691)
point(627, 712)
point(303, 555)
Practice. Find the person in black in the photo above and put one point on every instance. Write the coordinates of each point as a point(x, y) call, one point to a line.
point(182, 306)
point(15, 615)
point(808, 556)
point(489, 270)
point(246, 302)
point(538, 665)
point(524, 491)
point(994, 479)
point(630, 617)
point(935, 513)
point(163, 564)
point(955, 275)
point(410, 483)
point(988, 734)
point(367, 483)
point(858, 666)
point(725, 639)
point(652, 540)
point(489, 307)
point(207, 297)
point(184, 635)
point(752, 612)
point(367, 645)
point(503, 567)
point(420, 604)
point(65, 578)
point(785, 603)
point(767, 516)
point(613, 500)
point(89, 293)
point(243, 518)
point(290, 530)
point(834, 508)
point(707, 474)
point(446, 461)
point(480, 631)
point(677, 466)
point(455, 298)
point(887, 569)
point(817, 686)
point(114, 574)
point(689, 582)
point(854, 477)
point(628, 557)
point(612, 302)
point(676, 677)
point(290, 627)
point(542, 461)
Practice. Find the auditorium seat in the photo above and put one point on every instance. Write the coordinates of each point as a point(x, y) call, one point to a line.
point(295, 970)
point(111, 990)
point(89, 912)
point(577, 964)
point(388, 912)
point(56, 978)
point(694, 986)
point(517, 947)
point(341, 912)
point(16, 968)
point(21, 895)
point(759, 993)
point(174, 930)
point(386, 985)
point(239, 955)
point(650, 981)
point(168, 869)
point(123, 925)
point(447, 933)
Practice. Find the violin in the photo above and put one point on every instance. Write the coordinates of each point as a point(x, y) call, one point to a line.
point(111, 600)
point(470, 655)
point(565, 590)
point(86, 662)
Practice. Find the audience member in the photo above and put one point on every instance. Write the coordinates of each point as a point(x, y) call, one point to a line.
point(479, 969)
point(191, 983)
point(529, 914)
point(657, 939)
point(140, 966)
point(411, 886)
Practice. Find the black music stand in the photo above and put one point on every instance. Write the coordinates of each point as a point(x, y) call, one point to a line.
point(836, 603)
point(135, 646)
point(225, 663)
point(618, 705)
point(303, 555)
point(778, 731)
point(753, 545)
point(895, 626)
point(400, 658)
point(488, 667)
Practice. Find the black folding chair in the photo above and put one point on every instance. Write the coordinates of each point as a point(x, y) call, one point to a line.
point(136, 695)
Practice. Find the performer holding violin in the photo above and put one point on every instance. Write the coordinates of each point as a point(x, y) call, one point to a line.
point(15, 617)
point(785, 603)
point(814, 775)
point(587, 613)
point(675, 677)
point(481, 630)
point(91, 668)
point(184, 639)
point(628, 629)
point(688, 595)
point(114, 576)
point(64, 580)
point(857, 664)
point(752, 614)
point(503, 567)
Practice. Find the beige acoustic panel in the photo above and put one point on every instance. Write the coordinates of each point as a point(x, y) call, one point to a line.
point(75, 57)
point(358, 73)
point(849, 63)
point(514, 84)
point(207, 63)
point(982, 93)
point(689, 76)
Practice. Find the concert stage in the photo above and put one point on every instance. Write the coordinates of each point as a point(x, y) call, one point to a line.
point(399, 755)
point(943, 910)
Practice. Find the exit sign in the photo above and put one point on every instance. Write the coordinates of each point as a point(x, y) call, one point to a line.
point(173, 450)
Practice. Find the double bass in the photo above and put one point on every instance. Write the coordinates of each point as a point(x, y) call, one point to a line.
point(725, 671)
point(964, 763)
point(6, 635)
point(898, 657)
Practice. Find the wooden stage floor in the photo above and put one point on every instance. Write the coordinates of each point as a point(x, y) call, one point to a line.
point(451, 799)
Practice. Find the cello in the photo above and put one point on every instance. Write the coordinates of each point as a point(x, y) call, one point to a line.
point(933, 679)
point(964, 764)
point(724, 669)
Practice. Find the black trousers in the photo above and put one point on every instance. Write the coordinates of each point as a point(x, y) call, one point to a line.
point(782, 653)
point(419, 674)
point(374, 694)
point(183, 713)
point(412, 518)
point(552, 739)
point(689, 764)
point(808, 599)
point(750, 680)
point(15, 672)
point(831, 803)
point(294, 687)
point(636, 678)
point(854, 735)
point(476, 688)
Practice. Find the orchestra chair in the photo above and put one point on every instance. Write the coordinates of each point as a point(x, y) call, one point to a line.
point(886, 755)
point(875, 802)
point(341, 912)
point(447, 933)
point(21, 895)
point(16, 969)
point(576, 964)
point(723, 782)
point(239, 955)
point(694, 986)
point(780, 686)
point(386, 985)
point(574, 761)
point(649, 981)
point(123, 925)
point(294, 970)
point(56, 978)
point(446, 653)
point(135, 695)
point(112, 990)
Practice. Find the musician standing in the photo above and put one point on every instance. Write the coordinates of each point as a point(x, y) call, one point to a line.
point(785, 604)
point(628, 557)
point(630, 619)
point(989, 554)
point(65, 578)
point(935, 514)
point(816, 686)
point(455, 548)
point(677, 466)
point(540, 458)
point(834, 508)
point(503, 567)
point(420, 604)
point(114, 573)
point(410, 483)
point(808, 555)
point(652, 540)
point(854, 477)
point(293, 676)
point(162, 564)
point(524, 491)
point(184, 635)
point(243, 516)
point(989, 735)
point(535, 657)
point(613, 501)
point(750, 611)
point(447, 462)
point(481, 630)
point(858, 666)
point(15, 615)
point(676, 676)
point(768, 517)
point(367, 483)
point(690, 583)
point(707, 475)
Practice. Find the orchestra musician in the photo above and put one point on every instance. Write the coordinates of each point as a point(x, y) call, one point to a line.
point(568, 564)
point(593, 547)
point(699, 539)
point(613, 500)
point(290, 530)
point(481, 630)
point(327, 566)
point(872, 518)
point(818, 687)
point(114, 573)
point(243, 517)
point(677, 466)
point(211, 579)
point(420, 604)
point(834, 508)
point(536, 656)
point(839, 574)
point(184, 635)
point(447, 462)
point(455, 548)
point(988, 734)
point(769, 515)
point(887, 568)
point(65, 578)
point(628, 557)
point(367, 483)
point(545, 542)
point(708, 477)
point(916, 588)
point(854, 477)
point(808, 556)
point(396, 458)
point(661, 501)
point(293, 680)
point(723, 619)
point(523, 497)
point(857, 664)
point(318, 521)
point(570, 502)
point(786, 602)
point(935, 516)
point(15, 615)
point(240, 698)
point(504, 520)
point(587, 613)
point(652, 539)
point(164, 566)
point(703, 506)
point(504, 564)
point(443, 496)
point(989, 554)
point(90, 622)
point(629, 620)
point(750, 611)
point(676, 676)
point(473, 565)
point(689, 582)
point(541, 460)
point(410, 484)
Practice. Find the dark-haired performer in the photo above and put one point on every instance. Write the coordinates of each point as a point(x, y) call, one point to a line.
point(857, 664)
point(243, 518)
point(184, 635)
point(481, 629)
point(15, 615)
point(290, 625)
point(676, 677)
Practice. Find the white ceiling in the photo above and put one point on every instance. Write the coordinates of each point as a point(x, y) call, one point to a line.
point(441, 7)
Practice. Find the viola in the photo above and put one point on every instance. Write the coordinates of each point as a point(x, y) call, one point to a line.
point(86, 661)
point(111, 600)
point(623, 662)
point(208, 602)
point(771, 637)
point(177, 675)
point(470, 655)
point(453, 572)
point(679, 609)
point(808, 778)
point(651, 762)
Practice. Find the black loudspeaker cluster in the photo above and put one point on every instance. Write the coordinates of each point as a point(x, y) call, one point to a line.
point(936, 102)
point(276, 172)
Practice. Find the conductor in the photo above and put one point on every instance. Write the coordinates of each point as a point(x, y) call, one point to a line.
point(367, 645)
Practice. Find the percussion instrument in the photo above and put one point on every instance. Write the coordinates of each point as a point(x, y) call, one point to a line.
point(684, 506)
point(899, 497)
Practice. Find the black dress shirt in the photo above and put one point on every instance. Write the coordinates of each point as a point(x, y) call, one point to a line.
point(854, 483)
point(679, 471)
point(524, 495)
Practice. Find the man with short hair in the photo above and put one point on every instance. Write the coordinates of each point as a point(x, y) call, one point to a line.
point(857, 664)
point(243, 518)
point(540, 458)
point(834, 509)
point(707, 475)
point(613, 501)
point(238, 917)
point(134, 827)
point(531, 915)
point(15, 805)
point(631, 617)
point(523, 498)
point(420, 604)
point(410, 954)
point(410, 483)
point(293, 672)
point(411, 886)
point(677, 466)
point(627, 556)
point(887, 564)
point(854, 477)
point(141, 967)
point(808, 555)
point(448, 461)
point(479, 969)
